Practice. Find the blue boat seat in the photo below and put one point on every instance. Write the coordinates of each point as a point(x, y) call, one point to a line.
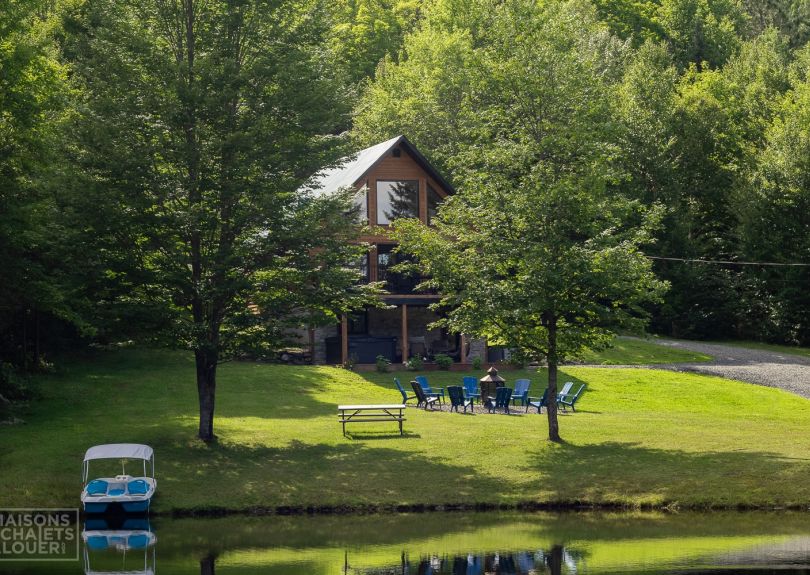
point(138, 541)
point(97, 487)
point(97, 542)
point(137, 487)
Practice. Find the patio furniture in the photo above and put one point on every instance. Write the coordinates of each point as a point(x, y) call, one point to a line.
point(405, 397)
point(571, 398)
point(501, 400)
point(457, 399)
point(422, 381)
point(565, 390)
point(471, 388)
point(421, 397)
point(371, 414)
point(539, 403)
point(521, 392)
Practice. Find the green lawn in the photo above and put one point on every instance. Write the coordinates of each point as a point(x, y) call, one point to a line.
point(642, 437)
point(635, 351)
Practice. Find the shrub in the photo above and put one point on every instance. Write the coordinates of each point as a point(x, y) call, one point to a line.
point(415, 363)
point(477, 362)
point(443, 361)
point(350, 363)
point(382, 364)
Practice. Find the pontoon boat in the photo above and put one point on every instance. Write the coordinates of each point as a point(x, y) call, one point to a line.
point(133, 493)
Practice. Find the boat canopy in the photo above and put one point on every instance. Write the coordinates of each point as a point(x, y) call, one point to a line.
point(119, 451)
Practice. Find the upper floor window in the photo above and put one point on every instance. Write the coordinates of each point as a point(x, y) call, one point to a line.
point(397, 199)
point(433, 201)
point(360, 202)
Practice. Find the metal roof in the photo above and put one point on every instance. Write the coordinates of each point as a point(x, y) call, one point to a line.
point(352, 168)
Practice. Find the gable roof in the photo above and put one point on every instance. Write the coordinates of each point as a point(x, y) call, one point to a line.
point(352, 168)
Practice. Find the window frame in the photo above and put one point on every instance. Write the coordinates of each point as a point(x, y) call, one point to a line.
point(378, 208)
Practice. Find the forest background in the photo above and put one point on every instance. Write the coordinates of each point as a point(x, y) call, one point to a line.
point(709, 117)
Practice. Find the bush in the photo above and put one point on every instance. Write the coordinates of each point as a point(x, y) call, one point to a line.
point(443, 361)
point(350, 363)
point(382, 364)
point(415, 363)
point(12, 385)
point(477, 363)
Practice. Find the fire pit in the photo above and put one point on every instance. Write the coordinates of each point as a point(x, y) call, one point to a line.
point(489, 383)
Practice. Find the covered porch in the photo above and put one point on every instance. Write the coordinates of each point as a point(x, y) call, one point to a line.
point(397, 333)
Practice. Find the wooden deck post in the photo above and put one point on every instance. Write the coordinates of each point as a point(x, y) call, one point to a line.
point(344, 339)
point(405, 333)
point(462, 354)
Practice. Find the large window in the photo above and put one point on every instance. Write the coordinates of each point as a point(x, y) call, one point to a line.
point(360, 202)
point(394, 282)
point(397, 199)
point(361, 265)
point(433, 201)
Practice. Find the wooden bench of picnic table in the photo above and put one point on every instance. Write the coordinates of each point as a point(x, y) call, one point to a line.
point(371, 413)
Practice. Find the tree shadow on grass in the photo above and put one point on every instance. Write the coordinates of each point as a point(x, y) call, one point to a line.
point(302, 474)
point(612, 472)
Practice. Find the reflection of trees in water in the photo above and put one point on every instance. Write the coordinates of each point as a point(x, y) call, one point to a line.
point(208, 564)
point(555, 561)
point(403, 200)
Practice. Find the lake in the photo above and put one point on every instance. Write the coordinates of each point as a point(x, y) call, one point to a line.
point(445, 543)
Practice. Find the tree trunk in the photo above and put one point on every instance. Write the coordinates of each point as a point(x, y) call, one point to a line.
point(551, 409)
point(206, 390)
point(208, 564)
point(554, 560)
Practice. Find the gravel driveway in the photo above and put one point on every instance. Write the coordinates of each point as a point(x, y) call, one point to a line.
point(769, 368)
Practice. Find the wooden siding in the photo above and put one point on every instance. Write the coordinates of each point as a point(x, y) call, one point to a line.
point(388, 169)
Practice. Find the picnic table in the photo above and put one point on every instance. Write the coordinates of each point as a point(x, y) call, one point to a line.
point(371, 413)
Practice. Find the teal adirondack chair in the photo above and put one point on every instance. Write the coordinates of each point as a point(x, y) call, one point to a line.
point(457, 399)
point(521, 392)
point(405, 396)
point(539, 403)
point(565, 390)
point(471, 388)
point(501, 400)
point(438, 393)
point(571, 398)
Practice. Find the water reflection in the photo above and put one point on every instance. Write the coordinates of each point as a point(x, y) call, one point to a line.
point(512, 563)
point(443, 544)
point(125, 545)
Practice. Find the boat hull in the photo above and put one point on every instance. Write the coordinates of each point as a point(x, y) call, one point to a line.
point(96, 507)
point(136, 506)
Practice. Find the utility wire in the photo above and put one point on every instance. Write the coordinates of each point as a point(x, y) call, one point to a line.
point(727, 262)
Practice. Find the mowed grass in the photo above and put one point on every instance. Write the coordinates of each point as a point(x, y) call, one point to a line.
point(639, 438)
point(635, 351)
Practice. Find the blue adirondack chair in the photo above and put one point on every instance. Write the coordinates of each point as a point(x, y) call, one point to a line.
point(437, 393)
point(471, 388)
point(565, 390)
point(501, 400)
point(457, 399)
point(571, 398)
point(521, 392)
point(539, 403)
point(421, 398)
point(405, 396)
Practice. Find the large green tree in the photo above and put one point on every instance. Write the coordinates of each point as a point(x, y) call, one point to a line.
point(33, 89)
point(539, 251)
point(198, 122)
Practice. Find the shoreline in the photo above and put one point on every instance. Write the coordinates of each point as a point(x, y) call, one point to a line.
point(526, 506)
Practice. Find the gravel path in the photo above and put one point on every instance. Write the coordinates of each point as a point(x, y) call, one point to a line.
point(768, 368)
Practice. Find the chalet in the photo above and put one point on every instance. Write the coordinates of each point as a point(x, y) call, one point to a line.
point(393, 180)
